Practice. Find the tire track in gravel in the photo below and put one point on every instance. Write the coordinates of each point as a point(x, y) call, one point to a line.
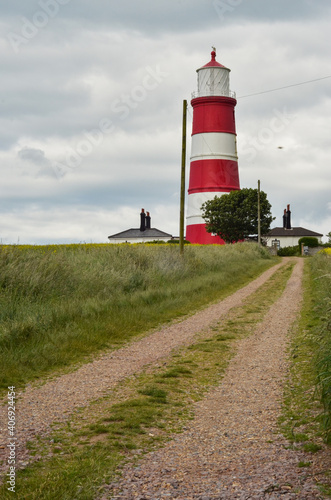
point(232, 449)
point(37, 407)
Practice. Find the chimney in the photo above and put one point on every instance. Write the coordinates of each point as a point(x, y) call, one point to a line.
point(148, 221)
point(288, 220)
point(142, 220)
point(284, 219)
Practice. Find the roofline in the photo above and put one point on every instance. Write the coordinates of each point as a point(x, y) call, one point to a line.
point(293, 228)
point(143, 233)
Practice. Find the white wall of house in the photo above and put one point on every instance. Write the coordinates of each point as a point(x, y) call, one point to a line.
point(286, 241)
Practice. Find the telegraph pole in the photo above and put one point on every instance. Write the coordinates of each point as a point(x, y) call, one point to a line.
point(258, 214)
point(182, 183)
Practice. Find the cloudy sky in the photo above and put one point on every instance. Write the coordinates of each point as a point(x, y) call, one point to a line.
point(91, 97)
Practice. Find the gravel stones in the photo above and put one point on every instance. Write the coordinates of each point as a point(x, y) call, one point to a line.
point(232, 448)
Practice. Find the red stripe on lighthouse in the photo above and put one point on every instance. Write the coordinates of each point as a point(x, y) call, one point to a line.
point(213, 175)
point(196, 233)
point(213, 114)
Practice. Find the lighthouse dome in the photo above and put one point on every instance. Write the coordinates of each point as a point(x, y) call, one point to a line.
point(213, 79)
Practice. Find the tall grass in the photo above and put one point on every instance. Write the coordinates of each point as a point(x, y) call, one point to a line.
point(60, 304)
point(321, 289)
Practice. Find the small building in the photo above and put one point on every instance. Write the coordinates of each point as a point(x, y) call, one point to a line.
point(288, 236)
point(141, 235)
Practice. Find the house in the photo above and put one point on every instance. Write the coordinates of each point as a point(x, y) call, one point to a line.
point(288, 236)
point(140, 235)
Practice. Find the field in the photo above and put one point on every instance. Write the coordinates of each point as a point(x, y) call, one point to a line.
point(60, 305)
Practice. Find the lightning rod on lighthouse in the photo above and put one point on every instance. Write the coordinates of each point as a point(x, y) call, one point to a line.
point(214, 160)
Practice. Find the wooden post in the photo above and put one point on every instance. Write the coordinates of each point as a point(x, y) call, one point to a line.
point(258, 214)
point(182, 183)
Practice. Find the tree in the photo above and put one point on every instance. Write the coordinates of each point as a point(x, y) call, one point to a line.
point(234, 216)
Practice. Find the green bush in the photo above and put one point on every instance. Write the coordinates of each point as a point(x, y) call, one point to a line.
point(177, 242)
point(289, 251)
point(308, 241)
point(161, 242)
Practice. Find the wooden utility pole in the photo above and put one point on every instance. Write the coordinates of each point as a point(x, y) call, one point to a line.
point(258, 214)
point(182, 183)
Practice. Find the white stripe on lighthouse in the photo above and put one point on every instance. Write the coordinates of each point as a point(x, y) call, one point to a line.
point(194, 202)
point(214, 145)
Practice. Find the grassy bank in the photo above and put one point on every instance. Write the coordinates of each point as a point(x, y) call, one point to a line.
point(321, 287)
point(309, 391)
point(306, 419)
point(61, 304)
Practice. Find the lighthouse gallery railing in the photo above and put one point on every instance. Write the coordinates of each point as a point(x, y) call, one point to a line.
point(228, 93)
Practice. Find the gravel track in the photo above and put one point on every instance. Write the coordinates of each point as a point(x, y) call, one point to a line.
point(232, 450)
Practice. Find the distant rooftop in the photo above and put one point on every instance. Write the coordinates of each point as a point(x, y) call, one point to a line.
point(288, 230)
point(294, 231)
point(145, 232)
point(136, 233)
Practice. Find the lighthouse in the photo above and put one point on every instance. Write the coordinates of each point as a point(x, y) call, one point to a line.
point(214, 160)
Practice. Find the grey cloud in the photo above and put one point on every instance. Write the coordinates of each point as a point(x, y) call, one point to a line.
point(178, 15)
point(37, 156)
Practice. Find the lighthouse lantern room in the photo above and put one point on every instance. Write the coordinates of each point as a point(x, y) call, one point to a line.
point(214, 161)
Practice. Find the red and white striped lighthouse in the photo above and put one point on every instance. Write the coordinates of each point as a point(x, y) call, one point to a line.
point(214, 161)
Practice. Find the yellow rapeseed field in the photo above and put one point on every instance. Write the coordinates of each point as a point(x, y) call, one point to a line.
point(325, 251)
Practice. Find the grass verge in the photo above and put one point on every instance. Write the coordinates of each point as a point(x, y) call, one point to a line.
point(305, 419)
point(81, 457)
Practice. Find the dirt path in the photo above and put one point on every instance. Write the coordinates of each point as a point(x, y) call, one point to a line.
point(38, 407)
point(232, 449)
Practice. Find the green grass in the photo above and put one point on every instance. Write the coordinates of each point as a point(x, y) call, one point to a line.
point(83, 455)
point(304, 464)
point(60, 305)
point(305, 419)
point(311, 447)
point(307, 403)
point(321, 329)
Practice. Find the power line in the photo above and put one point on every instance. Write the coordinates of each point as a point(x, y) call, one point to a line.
point(286, 87)
point(265, 92)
